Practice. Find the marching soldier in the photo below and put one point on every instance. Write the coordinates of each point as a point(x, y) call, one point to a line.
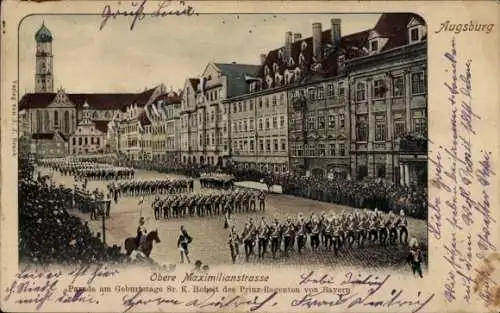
point(262, 201)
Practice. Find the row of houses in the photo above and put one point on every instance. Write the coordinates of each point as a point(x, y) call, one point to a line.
point(351, 106)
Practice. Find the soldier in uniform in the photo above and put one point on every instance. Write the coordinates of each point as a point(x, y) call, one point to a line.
point(315, 230)
point(275, 237)
point(262, 201)
point(263, 238)
point(287, 235)
point(301, 233)
point(415, 257)
point(403, 227)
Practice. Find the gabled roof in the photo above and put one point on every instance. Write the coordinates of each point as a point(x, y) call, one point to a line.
point(194, 83)
point(236, 74)
point(98, 101)
point(48, 136)
point(144, 119)
point(392, 26)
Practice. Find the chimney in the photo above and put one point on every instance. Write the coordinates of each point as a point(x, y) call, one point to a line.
point(316, 40)
point(297, 37)
point(336, 35)
point(288, 45)
point(263, 57)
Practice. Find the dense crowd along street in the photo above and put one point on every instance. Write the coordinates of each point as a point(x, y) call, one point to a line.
point(235, 225)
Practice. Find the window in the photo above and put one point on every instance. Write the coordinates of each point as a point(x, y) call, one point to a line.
point(260, 103)
point(311, 122)
point(419, 123)
point(341, 89)
point(56, 118)
point(274, 100)
point(98, 141)
point(239, 106)
point(417, 83)
point(235, 127)
point(312, 148)
point(276, 146)
point(321, 121)
point(252, 147)
point(330, 91)
point(245, 106)
point(251, 126)
point(414, 34)
point(283, 144)
point(275, 122)
point(282, 98)
point(312, 93)
point(251, 105)
point(332, 149)
point(267, 102)
point(268, 144)
point(321, 148)
point(306, 150)
point(86, 141)
point(299, 150)
point(342, 120)
point(374, 45)
point(362, 128)
point(380, 128)
point(399, 128)
point(91, 140)
point(379, 89)
point(260, 124)
point(213, 139)
point(342, 149)
point(321, 93)
point(360, 91)
point(261, 145)
point(331, 121)
point(245, 125)
point(74, 141)
point(267, 123)
point(235, 108)
point(201, 140)
point(398, 86)
point(282, 121)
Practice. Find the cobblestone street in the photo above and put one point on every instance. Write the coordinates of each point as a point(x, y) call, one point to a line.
point(210, 238)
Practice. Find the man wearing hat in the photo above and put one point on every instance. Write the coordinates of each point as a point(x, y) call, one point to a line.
point(403, 227)
point(415, 257)
point(141, 233)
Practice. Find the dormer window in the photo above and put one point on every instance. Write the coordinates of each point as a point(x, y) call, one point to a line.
point(266, 70)
point(374, 46)
point(291, 62)
point(303, 46)
point(275, 67)
point(280, 53)
point(416, 30)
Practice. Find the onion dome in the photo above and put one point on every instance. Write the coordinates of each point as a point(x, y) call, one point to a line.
point(43, 34)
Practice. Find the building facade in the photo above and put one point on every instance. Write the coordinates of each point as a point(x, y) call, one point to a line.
point(51, 145)
point(388, 106)
point(259, 129)
point(205, 115)
point(88, 137)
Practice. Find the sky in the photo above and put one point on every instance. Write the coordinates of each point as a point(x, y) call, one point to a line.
point(159, 50)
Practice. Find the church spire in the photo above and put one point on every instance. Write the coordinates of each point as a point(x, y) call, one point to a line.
point(44, 79)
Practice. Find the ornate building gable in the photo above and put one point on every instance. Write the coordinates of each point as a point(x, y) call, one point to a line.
point(61, 100)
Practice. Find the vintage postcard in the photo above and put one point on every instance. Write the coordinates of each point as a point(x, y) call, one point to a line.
point(195, 156)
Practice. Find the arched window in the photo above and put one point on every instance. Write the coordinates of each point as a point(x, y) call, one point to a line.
point(66, 122)
point(86, 141)
point(98, 141)
point(79, 141)
point(46, 121)
point(95, 115)
point(39, 122)
point(91, 140)
point(56, 118)
point(74, 141)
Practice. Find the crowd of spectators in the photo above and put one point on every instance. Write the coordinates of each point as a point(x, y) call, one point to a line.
point(47, 232)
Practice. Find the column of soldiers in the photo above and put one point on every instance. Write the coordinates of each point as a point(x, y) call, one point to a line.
point(150, 187)
point(328, 232)
point(93, 202)
point(227, 203)
point(88, 170)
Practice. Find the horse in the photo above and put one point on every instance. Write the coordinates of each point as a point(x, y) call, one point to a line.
point(131, 245)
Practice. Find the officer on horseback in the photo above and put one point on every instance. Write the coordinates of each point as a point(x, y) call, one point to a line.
point(141, 233)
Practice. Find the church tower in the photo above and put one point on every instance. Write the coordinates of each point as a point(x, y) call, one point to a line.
point(44, 76)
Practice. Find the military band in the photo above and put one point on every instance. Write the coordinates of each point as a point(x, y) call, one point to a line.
point(330, 232)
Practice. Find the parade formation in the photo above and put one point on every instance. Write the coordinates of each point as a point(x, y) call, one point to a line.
point(251, 232)
point(327, 231)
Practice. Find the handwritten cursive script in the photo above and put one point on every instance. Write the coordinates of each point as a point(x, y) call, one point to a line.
point(138, 11)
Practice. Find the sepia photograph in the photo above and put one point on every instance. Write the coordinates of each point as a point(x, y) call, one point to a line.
point(306, 146)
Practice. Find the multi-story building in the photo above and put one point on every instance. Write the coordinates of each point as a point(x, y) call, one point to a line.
point(164, 116)
point(53, 145)
point(358, 95)
point(89, 136)
point(388, 106)
point(211, 129)
point(134, 126)
point(259, 128)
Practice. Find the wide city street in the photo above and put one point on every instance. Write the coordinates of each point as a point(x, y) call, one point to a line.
point(210, 238)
